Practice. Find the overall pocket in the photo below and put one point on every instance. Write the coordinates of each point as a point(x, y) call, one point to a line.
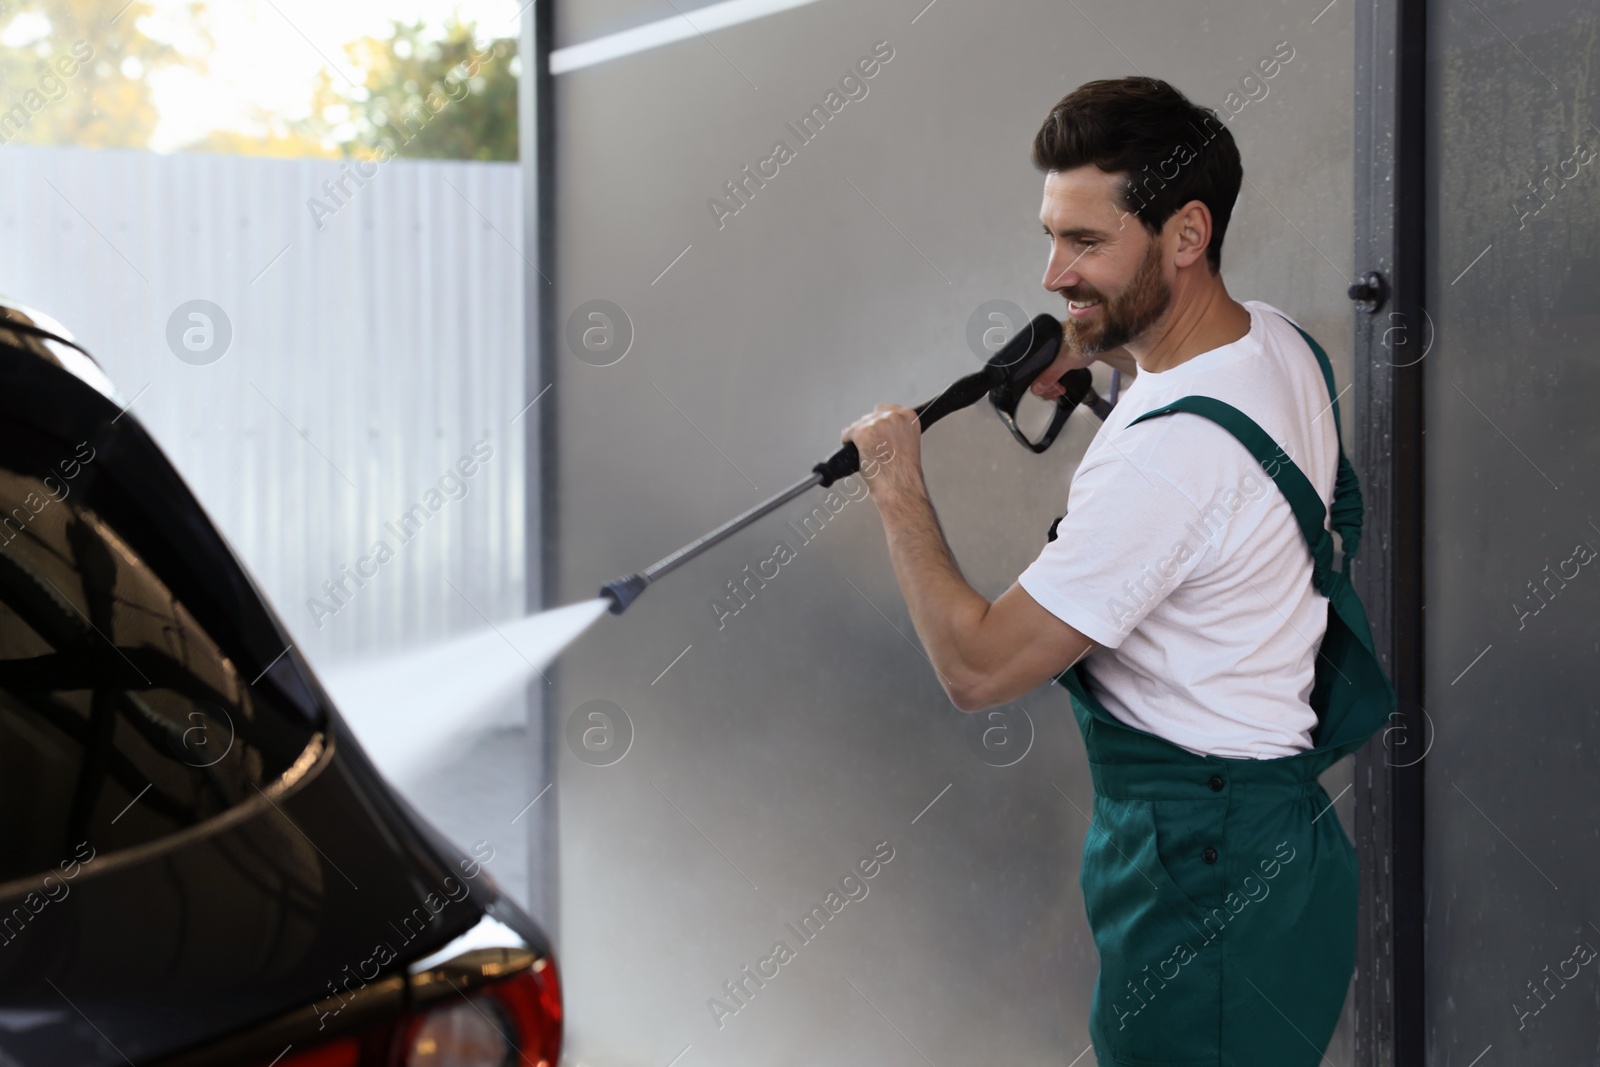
point(1157, 998)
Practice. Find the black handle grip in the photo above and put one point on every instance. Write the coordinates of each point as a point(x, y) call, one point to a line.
point(962, 393)
point(841, 464)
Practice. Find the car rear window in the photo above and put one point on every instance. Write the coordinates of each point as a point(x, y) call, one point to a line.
point(123, 717)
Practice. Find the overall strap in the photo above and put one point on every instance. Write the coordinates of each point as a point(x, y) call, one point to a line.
point(1303, 499)
point(1346, 511)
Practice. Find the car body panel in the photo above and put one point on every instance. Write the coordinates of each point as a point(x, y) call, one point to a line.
point(296, 909)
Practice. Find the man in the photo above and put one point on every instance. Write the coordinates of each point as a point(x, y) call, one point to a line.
point(1191, 576)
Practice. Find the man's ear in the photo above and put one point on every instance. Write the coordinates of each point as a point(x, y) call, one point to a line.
point(1191, 226)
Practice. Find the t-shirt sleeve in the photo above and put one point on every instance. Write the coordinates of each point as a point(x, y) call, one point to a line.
point(1127, 540)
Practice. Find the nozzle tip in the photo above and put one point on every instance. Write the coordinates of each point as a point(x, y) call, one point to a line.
point(623, 591)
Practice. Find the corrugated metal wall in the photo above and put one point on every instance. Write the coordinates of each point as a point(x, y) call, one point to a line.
point(368, 355)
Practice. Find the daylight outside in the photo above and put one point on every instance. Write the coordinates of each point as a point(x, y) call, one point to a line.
point(635, 532)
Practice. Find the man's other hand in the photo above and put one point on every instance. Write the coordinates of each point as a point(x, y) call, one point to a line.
point(1048, 384)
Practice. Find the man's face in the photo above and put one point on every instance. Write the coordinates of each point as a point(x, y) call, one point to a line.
point(1111, 271)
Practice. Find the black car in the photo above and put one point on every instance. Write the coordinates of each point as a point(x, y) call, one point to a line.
point(198, 864)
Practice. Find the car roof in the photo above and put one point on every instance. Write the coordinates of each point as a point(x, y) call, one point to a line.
point(29, 330)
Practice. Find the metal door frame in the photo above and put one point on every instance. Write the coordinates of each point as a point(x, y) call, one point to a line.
point(536, 136)
point(1389, 346)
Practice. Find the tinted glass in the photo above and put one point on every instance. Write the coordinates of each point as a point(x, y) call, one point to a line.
point(122, 718)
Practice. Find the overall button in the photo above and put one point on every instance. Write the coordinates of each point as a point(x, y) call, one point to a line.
point(1209, 855)
point(1215, 783)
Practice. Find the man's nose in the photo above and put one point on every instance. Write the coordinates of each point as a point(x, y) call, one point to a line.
point(1060, 275)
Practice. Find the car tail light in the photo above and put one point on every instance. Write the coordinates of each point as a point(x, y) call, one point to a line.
point(484, 1008)
point(460, 1035)
point(346, 1053)
point(513, 1022)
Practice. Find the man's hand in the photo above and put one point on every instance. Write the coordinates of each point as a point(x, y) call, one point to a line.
point(1048, 383)
point(892, 431)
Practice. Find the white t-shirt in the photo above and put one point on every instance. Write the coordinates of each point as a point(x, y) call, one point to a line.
point(1182, 560)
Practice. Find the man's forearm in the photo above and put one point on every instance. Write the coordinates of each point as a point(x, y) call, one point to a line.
point(984, 654)
point(944, 608)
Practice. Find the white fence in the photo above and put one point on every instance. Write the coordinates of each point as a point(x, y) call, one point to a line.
point(377, 340)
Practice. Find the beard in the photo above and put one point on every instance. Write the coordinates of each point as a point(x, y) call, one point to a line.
point(1125, 316)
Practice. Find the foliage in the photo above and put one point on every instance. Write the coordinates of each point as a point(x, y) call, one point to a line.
point(427, 92)
point(80, 72)
point(276, 139)
point(105, 101)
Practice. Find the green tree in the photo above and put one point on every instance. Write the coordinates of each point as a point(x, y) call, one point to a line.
point(426, 93)
point(78, 72)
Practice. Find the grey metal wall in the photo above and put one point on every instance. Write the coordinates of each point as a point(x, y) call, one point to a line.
point(1513, 896)
point(367, 355)
point(767, 755)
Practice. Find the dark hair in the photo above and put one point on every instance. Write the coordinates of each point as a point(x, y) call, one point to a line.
point(1170, 150)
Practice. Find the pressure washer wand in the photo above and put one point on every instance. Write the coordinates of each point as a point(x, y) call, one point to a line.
point(1014, 367)
point(624, 591)
point(847, 461)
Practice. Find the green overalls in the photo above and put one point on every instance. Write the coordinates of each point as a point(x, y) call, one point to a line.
point(1221, 892)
